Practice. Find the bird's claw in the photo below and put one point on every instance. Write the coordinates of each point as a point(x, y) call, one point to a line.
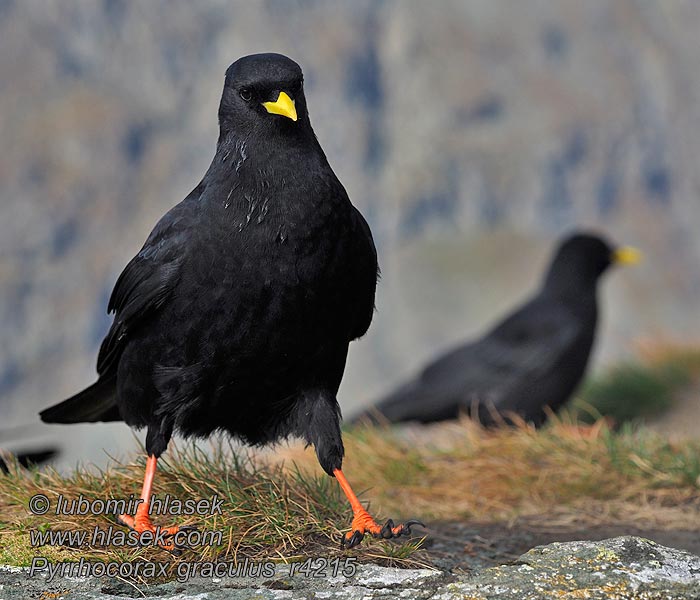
point(140, 525)
point(352, 541)
point(388, 531)
point(177, 547)
point(392, 531)
point(185, 528)
point(406, 527)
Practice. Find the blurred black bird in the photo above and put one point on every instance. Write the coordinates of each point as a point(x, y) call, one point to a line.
point(237, 313)
point(36, 454)
point(30, 458)
point(533, 359)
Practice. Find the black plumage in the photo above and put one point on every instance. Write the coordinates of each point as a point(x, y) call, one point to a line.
point(30, 458)
point(534, 358)
point(237, 313)
point(35, 454)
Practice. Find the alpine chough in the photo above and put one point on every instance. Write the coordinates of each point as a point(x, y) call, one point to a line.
point(30, 458)
point(533, 359)
point(37, 454)
point(237, 313)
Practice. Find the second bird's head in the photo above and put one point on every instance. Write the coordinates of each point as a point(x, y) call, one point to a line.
point(582, 257)
point(263, 94)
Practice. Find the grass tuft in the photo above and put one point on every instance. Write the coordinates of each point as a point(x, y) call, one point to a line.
point(641, 389)
point(269, 512)
point(280, 506)
point(567, 472)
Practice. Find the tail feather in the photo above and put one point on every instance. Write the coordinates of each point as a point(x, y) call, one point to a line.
point(95, 403)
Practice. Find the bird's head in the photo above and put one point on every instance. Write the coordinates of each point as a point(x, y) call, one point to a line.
point(582, 258)
point(263, 93)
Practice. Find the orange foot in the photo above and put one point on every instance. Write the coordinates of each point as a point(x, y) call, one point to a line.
point(363, 523)
point(162, 536)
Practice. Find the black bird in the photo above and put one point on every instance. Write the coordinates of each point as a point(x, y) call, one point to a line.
point(37, 454)
point(30, 458)
point(532, 359)
point(237, 313)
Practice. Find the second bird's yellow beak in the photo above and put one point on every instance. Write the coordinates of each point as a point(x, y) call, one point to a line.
point(626, 255)
point(283, 106)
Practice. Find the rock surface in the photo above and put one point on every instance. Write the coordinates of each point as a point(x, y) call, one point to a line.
point(623, 568)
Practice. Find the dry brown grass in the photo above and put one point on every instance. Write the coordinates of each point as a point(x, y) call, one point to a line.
point(281, 506)
point(567, 474)
point(268, 512)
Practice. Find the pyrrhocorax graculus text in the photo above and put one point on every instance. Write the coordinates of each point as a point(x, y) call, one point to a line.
point(532, 359)
point(237, 313)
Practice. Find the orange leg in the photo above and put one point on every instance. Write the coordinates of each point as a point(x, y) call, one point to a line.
point(363, 523)
point(141, 522)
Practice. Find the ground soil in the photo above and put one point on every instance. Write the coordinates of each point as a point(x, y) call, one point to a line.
point(465, 547)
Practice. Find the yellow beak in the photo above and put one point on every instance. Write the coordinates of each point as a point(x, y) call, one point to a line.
point(284, 106)
point(626, 255)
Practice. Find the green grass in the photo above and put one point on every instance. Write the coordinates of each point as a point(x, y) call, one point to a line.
point(281, 506)
point(632, 450)
point(564, 472)
point(269, 511)
point(638, 390)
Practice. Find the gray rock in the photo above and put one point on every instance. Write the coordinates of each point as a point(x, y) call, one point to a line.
point(368, 581)
point(623, 568)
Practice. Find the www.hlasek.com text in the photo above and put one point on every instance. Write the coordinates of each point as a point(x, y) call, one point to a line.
point(118, 536)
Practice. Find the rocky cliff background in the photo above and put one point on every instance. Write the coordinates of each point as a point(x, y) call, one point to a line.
point(470, 133)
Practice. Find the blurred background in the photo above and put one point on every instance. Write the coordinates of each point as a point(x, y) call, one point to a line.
point(471, 134)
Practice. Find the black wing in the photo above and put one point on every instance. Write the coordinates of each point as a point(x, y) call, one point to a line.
point(146, 283)
point(520, 350)
point(366, 268)
point(142, 289)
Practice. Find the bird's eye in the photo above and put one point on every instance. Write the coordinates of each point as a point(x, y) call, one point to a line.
point(246, 94)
